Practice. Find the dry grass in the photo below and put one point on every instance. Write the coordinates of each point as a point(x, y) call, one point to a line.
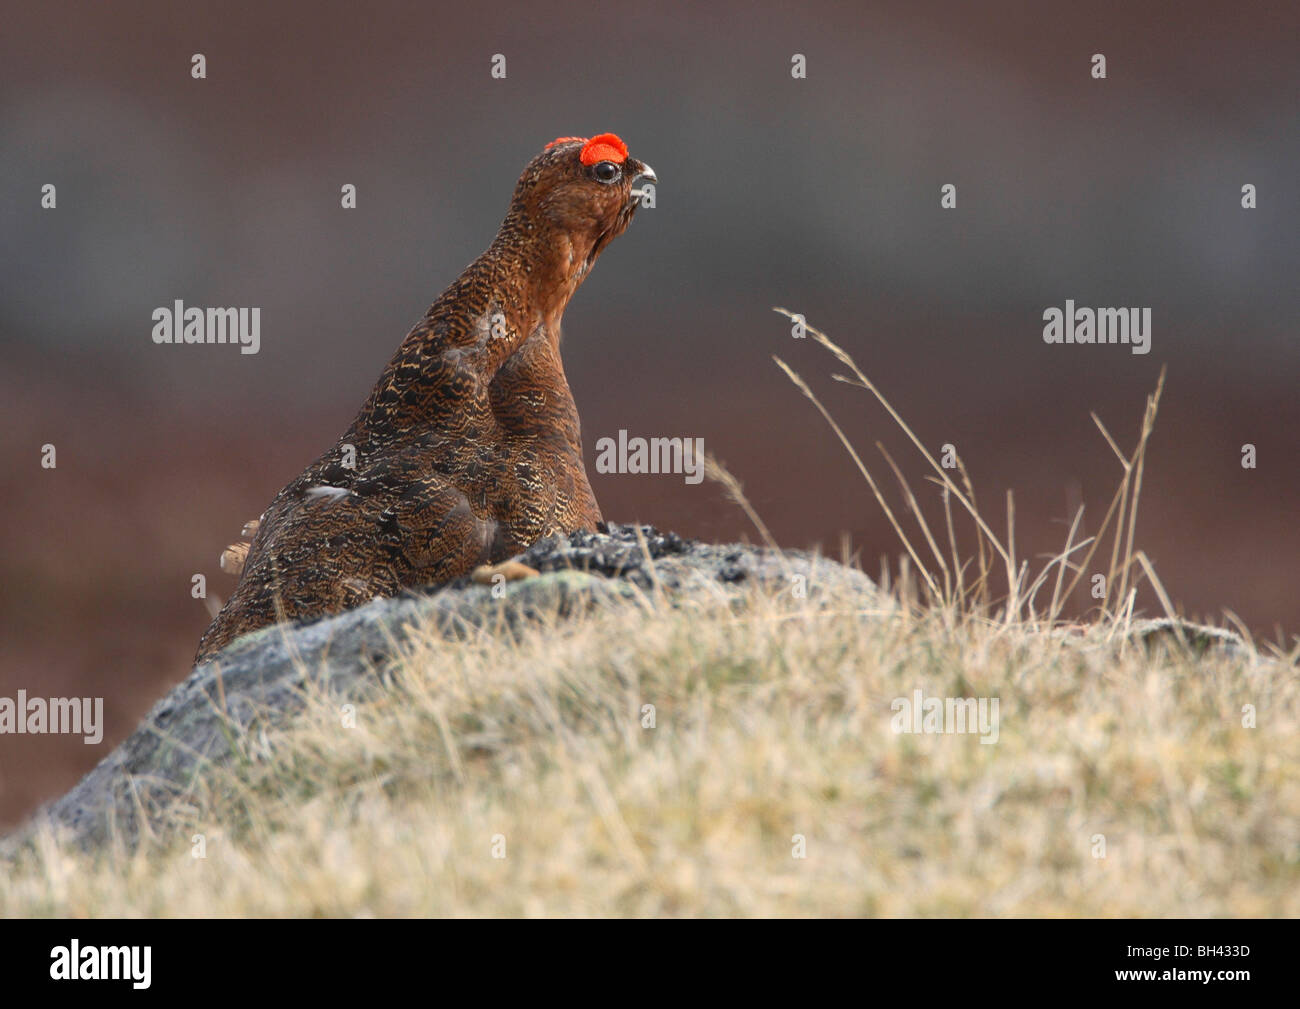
point(1123, 780)
point(768, 724)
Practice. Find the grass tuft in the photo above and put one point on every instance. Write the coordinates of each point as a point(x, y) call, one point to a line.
point(661, 759)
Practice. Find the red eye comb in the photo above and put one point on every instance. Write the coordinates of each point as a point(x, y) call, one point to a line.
point(606, 147)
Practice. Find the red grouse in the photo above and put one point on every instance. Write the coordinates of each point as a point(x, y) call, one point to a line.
point(468, 448)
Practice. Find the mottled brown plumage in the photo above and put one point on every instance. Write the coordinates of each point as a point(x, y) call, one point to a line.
point(468, 448)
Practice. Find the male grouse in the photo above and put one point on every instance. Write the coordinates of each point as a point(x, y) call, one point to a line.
point(468, 448)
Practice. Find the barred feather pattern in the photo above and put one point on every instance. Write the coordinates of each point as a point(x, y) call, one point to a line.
point(468, 449)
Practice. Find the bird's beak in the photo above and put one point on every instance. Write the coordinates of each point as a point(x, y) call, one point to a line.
point(643, 174)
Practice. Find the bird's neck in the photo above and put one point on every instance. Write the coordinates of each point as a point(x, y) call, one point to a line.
point(514, 293)
point(499, 319)
point(537, 267)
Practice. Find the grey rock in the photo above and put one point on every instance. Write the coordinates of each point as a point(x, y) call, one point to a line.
point(1199, 638)
point(210, 718)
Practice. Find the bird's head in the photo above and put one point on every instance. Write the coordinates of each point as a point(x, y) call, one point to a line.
point(582, 192)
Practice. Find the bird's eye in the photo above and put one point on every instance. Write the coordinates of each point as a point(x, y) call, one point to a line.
point(606, 171)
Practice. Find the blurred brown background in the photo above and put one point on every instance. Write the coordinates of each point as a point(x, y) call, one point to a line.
point(819, 194)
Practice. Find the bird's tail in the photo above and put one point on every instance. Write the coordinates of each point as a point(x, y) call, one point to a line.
point(234, 556)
